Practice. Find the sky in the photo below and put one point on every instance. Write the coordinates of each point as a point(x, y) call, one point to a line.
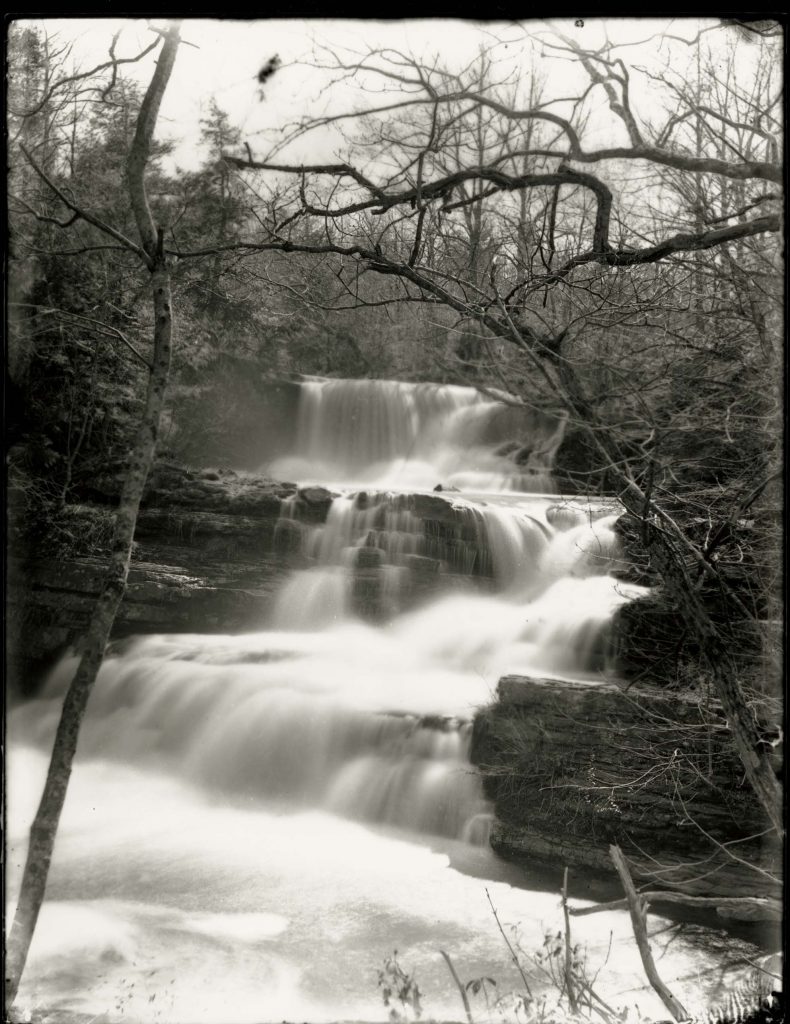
point(221, 58)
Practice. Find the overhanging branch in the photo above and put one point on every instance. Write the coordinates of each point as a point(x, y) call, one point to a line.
point(80, 212)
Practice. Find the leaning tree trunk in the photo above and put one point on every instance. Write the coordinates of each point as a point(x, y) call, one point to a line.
point(45, 825)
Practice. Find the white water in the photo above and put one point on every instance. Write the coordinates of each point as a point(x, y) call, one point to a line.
point(256, 821)
point(415, 436)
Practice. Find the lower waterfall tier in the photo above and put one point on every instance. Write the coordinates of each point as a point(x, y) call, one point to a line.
point(167, 903)
point(274, 785)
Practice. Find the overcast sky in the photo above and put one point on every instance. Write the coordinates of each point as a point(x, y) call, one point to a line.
point(225, 56)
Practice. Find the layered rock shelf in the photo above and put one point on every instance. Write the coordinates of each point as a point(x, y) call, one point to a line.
point(212, 550)
point(571, 766)
point(575, 766)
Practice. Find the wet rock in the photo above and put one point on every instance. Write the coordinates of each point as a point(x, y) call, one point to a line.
point(288, 536)
point(255, 503)
point(315, 495)
point(565, 763)
point(204, 559)
point(422, 577)
point(369, 557)
point(419, 565)
point(50, 603)
point(174, 485)
point(313, 504)
point(426, 506)
point(366, 593)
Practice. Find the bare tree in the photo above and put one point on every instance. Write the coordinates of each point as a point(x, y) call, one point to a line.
point(610, 264)
point(150, 251)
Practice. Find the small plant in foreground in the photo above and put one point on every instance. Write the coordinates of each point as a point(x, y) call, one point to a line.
point(397, 985)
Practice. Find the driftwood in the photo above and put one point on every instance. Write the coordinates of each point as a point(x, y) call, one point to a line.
point(639, 923)
point(742, 908)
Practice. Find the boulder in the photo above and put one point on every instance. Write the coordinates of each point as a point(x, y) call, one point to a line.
point(313, 503)
point(575, 766)
point(369, 557)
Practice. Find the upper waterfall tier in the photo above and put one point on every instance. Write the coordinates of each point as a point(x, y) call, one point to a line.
point(417, 436)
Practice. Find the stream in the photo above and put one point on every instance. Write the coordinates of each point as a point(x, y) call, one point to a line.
point(256, 821)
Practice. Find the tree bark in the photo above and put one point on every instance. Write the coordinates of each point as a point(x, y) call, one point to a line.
point(45, 825)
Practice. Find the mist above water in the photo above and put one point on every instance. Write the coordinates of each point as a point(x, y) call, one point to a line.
point(415, 436)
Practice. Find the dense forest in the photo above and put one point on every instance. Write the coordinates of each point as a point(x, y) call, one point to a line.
point(610, 253)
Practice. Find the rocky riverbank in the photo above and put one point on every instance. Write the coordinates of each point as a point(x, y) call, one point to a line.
point(573, 767)
point(204, 560)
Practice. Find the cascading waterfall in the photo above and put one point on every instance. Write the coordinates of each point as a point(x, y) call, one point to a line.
point(300, 784)
point(412, 436)
point(367, 721)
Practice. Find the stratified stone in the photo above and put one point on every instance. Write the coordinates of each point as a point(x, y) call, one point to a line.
point(369, 557)
point(288, 536)
point(313, 504)
point(575, 766)
point(366, 594)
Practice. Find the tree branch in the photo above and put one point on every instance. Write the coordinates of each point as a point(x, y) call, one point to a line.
point(82, 213)
point(638, 150)
point(103, 328)
point(765, 906)
point(140, 149)
point(636, 910)
point(79, 76)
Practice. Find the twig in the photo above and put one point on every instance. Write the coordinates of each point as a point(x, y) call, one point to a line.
point(107, 330)
point(459, 985)
point(515, 959)
point(568, 970)
point(82, 213)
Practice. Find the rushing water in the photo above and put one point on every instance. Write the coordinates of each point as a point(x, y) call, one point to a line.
point(256, 821)
point(414, 436)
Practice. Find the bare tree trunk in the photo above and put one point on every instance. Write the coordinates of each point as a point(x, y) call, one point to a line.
point(44, 829)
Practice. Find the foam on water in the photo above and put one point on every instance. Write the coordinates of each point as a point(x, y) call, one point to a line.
point(413, 436)
point(255, 821)
point(168, 904)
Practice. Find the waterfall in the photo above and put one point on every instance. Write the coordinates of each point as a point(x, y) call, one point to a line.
point(412, 436)
point(406, 608)
point(368, 721)
point(277, 774)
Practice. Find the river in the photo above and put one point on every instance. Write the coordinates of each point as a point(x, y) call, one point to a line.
point(256, 821)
